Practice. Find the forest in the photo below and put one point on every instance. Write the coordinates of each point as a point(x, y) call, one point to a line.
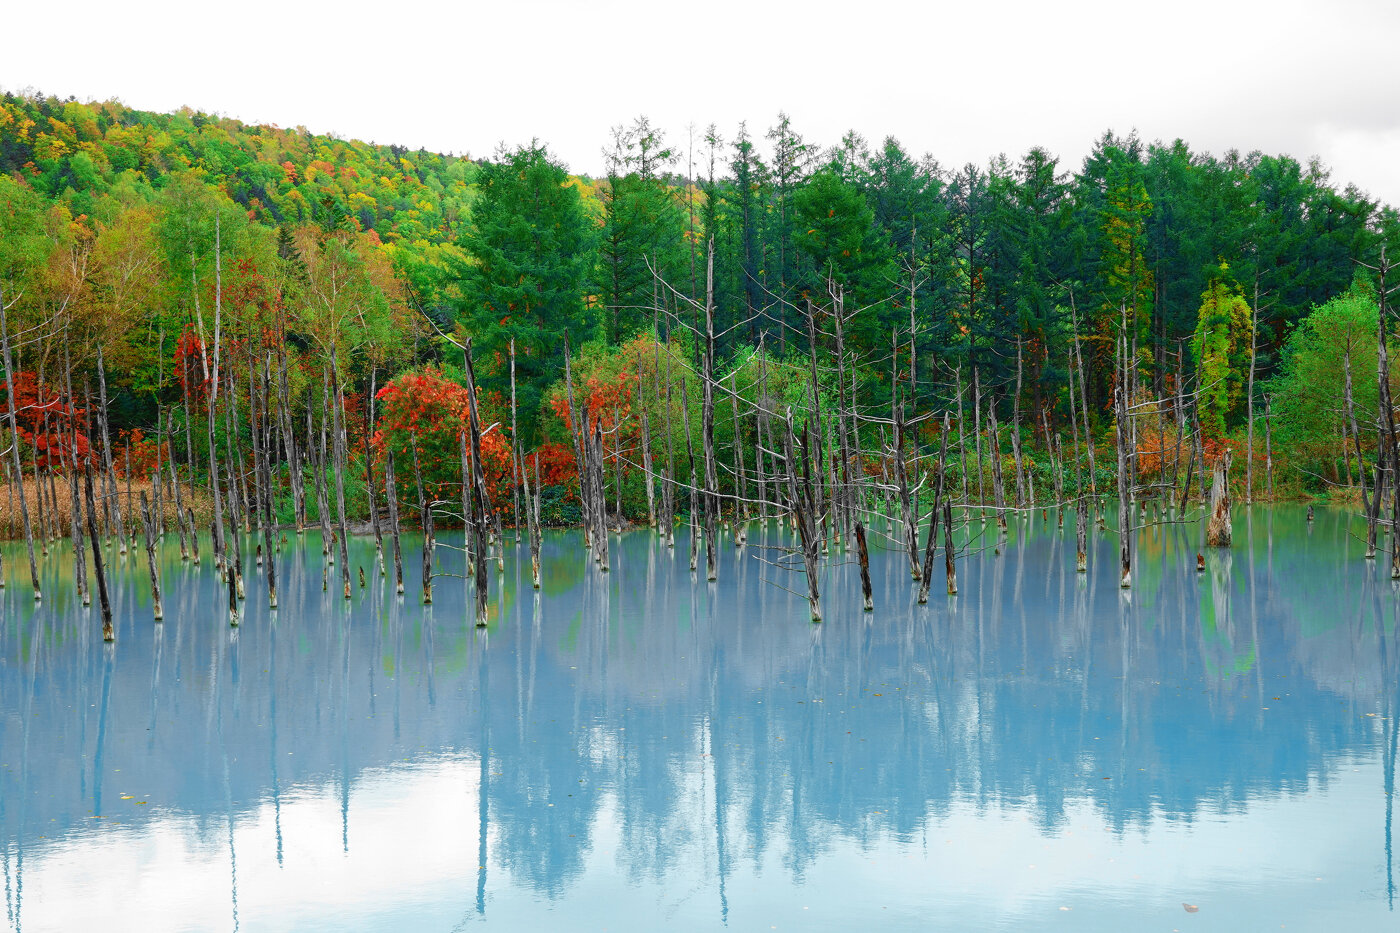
point(264, 326)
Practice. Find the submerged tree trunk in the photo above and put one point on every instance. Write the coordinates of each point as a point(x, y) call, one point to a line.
point(1218, 530)
point(940, 492)
point(1123, 434)
point(391, 492)
point(108, 634)
point(948, 551)
point(338, 454)
point(707, 423)
point(908, 503)
point(478, 482)
point(426, 510)
point(15, 462)
point(868, 602)
point(157, 605)
point(800, 494)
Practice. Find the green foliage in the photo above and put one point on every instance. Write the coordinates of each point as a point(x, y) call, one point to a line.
point(530, 248)
point(1309, 393)
point(1220, 348)
point(116, 224)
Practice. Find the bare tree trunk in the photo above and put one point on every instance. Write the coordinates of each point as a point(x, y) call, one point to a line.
point(940, 492)
point(338, 453)
point(668, 491)
point(110, 473)
point(232, 590)
point(425, 509)
point(515, 466)
point(819, 504)
point(1021, 496)
point(1268, 451)
point(478, 480)
point(179, 506)
point(846, 494)
point(294, 456)
point(646, 453)
point(741, 504)
point(194, 535)
point(1218, 531)
point(1081, 534)
point(868, 602)
point(265, 484)
point(707, 422)
point(804, 508)
point(962, 436)
point(99, 570)
point(1084, 405)
point(75, 518)
point(15, 461)
point(1387, 440)
point(577, 437)
point(1123, 434)
point(369, 464)
point(600, 498)
point(532, 521)
point(907, 503)
point(695, 523)
point(948, 552)
point(994, 451)
point(391, 492)
point(1249, 396)
point(977, 436)
point(157, 606)
point(318, 464)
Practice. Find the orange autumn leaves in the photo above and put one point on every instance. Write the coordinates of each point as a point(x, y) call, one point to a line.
point(430, 409)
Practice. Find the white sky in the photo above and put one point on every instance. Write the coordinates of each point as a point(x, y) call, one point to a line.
point(959, 81)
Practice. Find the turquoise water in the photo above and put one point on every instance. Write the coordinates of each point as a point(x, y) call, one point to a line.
point(642, 750)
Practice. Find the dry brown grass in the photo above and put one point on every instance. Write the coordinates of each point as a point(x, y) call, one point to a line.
point(11, 527)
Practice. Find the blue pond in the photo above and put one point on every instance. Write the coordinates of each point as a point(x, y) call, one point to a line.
point(641, 750)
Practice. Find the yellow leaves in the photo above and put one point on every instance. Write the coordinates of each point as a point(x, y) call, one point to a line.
point(49, 147)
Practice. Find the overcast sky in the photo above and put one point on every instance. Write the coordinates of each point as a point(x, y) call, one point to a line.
point(961, 82)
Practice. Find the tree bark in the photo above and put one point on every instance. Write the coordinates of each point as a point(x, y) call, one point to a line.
point(1218, 530)
point(15, 462)
point(104, 601)
point(157, 606)
point(391, 492)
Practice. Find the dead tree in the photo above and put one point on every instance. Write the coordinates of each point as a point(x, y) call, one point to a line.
point(477, 481)
point(867, 602)
point(940, 491)
point(1123, 434)
point(532, 520)
point(577, 437)
point(707, 422)
point(948, 552)
point(369, 468)
point(804, 511)
point(391, 492)
point(1218, 530)
point(157, 606)
point(426, 511)
point(104, 601)
point(15, 463)
point(907, 502)
point(338, 455)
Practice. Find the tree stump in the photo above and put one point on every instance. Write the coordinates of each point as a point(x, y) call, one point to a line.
point(1218, 525)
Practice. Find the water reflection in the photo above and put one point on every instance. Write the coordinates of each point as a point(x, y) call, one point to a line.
point(642, 747)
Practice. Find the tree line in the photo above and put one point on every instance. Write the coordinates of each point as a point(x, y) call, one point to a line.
point(188, 290)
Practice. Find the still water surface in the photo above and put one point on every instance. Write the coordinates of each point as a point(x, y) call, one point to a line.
point(642, 750)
